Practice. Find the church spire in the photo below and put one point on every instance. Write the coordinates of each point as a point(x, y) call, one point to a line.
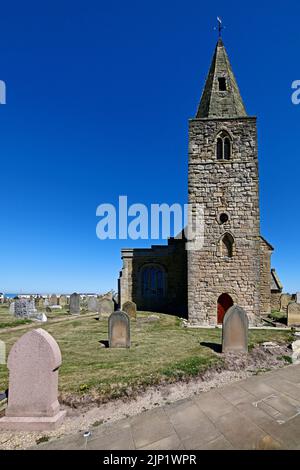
point(221, 97)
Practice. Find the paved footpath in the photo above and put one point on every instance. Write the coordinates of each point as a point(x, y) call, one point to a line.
point(261, 412)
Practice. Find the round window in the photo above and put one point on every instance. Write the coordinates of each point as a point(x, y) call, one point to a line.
point(224, 218)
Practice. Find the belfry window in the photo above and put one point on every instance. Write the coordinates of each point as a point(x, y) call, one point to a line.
point(227, 243)
point(223, 146)
point(222, 84)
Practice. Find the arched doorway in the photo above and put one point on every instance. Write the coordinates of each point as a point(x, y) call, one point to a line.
point(224, 303)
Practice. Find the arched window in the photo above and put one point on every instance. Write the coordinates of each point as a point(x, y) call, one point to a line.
point(227, 243)
point(223, 146)
point(153, 281)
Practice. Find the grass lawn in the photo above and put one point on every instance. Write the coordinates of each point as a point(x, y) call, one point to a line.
point(160, 350)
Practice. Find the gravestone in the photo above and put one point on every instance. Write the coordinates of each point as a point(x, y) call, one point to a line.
point(46, 303)
point(62, 301)
point(33, 364)
point(285, 299)
point(130, 308)
point(105, 306)
point(92, 304)
point(53, 300)
point(298, 297)
point(24, 308)
point(12, 308)
point(235, 330)
point(108, 295)
point(293, 314)
point(119, 330)
point(41, 317)
point(40, 303)
point(75, 304)
point(2, 352)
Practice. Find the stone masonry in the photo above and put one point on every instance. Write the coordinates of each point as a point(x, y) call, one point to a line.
point(234, 265)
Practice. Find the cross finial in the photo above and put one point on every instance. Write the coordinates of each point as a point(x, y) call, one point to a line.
point(220, 26)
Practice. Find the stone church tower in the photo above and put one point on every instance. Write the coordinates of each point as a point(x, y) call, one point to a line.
point(223, 179)
point(234, 265)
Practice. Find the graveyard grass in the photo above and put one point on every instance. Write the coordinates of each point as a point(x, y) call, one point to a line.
point(160, 351)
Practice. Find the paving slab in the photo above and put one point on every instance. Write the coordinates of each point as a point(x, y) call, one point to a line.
point(240, 431)
point(213, 404)
point(236, 394)
point(285, 386)
point(262, 412)
point(150, 427)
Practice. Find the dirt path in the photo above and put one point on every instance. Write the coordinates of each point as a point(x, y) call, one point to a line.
point(49, 322)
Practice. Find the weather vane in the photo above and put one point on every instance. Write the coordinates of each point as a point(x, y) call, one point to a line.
point(220, 26)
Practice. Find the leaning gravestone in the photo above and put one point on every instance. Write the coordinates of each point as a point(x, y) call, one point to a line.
point(235, 330)
point(293, 314)
point(105, 306)
point(33, 364)
point(92, 304)
point(130, 308)
point(119, 330)
point(298, 297)
point(75, 304)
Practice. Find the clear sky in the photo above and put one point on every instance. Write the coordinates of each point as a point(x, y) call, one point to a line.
point(98, 100)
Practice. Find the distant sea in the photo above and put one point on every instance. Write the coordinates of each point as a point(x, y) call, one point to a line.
point(10, 296)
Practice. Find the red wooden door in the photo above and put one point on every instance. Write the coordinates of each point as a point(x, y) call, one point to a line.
point(224, 303)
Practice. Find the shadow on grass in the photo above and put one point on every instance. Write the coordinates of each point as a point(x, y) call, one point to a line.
point(214, 346)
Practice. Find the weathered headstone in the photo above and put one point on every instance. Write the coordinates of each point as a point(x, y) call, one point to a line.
point(298, 297)
point(12, 308)
point(105, 306)
point(119, 330)
point(293, 314)
point(62, 300)
point(40, 303)
point(235, 330)
point(92, 304)
point(46, 303)
point(53, 300)
point(2, 352)
point(75, 304)
point(130, 308)
point(33, 364)
point(41, 317)
point(24, 308)
point(285, 299)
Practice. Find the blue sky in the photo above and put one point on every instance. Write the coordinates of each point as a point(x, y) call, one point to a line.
point(98, 100)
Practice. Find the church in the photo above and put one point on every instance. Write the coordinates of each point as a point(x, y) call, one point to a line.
point(234, 265)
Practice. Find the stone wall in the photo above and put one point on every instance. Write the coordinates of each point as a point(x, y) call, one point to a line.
point(173, 261)
point(275, 301)
point(265, 278)
point(232, 187)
